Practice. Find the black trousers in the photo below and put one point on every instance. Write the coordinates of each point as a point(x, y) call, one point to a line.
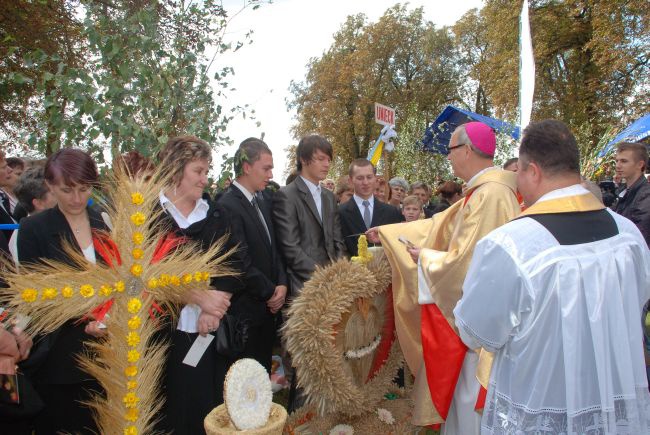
point(259, 345)
point(190, 392)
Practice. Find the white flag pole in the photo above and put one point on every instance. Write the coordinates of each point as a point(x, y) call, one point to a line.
point(526, 69)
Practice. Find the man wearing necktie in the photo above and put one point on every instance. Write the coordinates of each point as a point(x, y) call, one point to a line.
point(252, 227)
point(307, 222)
point(363, 211)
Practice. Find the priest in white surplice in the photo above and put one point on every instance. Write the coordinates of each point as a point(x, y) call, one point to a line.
point(557, 294)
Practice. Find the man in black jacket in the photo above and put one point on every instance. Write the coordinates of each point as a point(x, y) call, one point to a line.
point(265, 278)
point(634, 201)
point(362, 212)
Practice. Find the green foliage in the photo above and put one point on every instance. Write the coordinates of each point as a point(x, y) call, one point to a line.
point(410, 161)
point(145, 77)
point(400, 60)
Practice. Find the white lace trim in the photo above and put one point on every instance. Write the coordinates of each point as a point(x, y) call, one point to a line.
point(630, 416)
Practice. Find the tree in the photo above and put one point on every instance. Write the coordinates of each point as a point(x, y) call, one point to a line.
point(410, 161)
point(26, 28)
point(591, 61)
point(400, 60)
point(145, 77)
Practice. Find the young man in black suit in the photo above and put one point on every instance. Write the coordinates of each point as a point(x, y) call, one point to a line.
point(363, 212)
point(265, 278)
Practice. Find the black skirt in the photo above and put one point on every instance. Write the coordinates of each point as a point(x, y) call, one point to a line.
point(190, 392)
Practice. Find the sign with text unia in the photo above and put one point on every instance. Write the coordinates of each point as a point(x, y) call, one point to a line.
point(384, 115)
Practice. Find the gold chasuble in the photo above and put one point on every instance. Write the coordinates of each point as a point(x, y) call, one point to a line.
point(447, 242)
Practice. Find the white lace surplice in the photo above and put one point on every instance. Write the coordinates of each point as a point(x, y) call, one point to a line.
point(565, 323)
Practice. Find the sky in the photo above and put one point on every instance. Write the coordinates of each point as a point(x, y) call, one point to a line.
point(287, 33)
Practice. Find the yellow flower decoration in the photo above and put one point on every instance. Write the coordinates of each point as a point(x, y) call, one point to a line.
point(119, 286)
point(131, 371)
point(174, 280)
point(131, 430)
point(138, 218)
point(137, 198)
point(131, 414)
point(105, 290)
point(137, 238)
point(29, 295)
point(132, 339)
point(136, 269)
point(134, 322)
point(137, 253)
point(131, 385)
point(130, 400)
point(152, 283)
point(49, 293)
point(134, 305)
point(187, 278)
point(198, 277)
point(206, 276)
point(86, 291)
point(133, 356)
point(67, 292)
point(164, 280)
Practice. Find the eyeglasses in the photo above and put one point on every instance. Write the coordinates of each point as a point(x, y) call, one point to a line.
point(457, 146)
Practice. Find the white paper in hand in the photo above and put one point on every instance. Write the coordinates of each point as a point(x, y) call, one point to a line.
point(197, 350)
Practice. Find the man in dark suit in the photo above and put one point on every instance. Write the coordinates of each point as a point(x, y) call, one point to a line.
point(265, 278)
point(307, 224)
point(363, 212)
point(305, 215)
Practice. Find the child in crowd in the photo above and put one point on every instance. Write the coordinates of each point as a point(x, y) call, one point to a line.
point(412, 208)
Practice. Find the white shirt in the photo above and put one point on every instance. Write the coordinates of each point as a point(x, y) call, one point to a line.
point(564, 322)
point(249, 196)
point(362, 207)
point(189, 317)
point(199, 213)
point(315, 191)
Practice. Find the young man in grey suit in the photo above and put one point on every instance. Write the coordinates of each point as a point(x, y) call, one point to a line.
point(305, 215)
point(307, 225)
point(363, 211)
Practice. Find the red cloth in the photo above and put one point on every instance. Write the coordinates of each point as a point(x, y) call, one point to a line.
point(444, 353)
point(387, 335)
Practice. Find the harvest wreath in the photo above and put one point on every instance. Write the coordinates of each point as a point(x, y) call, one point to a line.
point(341, 335)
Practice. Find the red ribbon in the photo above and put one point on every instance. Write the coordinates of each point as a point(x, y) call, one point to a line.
point(387, 335)
point(107, 249)
point(480, 400)
point(444, 353)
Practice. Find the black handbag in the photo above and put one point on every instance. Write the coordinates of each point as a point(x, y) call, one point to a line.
point(231, 336)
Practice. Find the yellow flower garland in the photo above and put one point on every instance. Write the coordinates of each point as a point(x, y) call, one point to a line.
point(49, 293)
point(136, 269)
point(134, 305)
point(134, 322)
point(137, 198)
point(29, 295)
point(138, 218)
point(87, 291)
point(67, 292)
point(137, 238)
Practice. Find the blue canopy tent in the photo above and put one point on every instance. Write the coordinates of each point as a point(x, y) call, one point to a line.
point(635, 132)
point(438, 134)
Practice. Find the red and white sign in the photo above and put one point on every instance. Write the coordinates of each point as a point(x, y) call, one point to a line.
point(384, 115)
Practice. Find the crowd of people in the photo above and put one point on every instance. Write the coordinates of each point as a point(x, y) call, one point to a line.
point(556, 292)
